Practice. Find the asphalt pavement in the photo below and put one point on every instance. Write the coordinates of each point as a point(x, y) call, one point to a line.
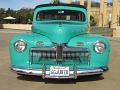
point(10, 81)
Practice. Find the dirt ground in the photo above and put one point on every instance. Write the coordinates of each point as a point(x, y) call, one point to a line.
point(11, 81)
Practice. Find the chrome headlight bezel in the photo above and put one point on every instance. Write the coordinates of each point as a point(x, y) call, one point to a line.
point(19, 48)
point(99, 47)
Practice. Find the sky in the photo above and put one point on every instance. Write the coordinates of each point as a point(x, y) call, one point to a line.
point(17, 4)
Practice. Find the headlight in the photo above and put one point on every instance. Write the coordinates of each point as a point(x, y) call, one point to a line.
point(20, 45)
point(99, 47)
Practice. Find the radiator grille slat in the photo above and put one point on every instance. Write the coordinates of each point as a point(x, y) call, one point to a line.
point(51, 53)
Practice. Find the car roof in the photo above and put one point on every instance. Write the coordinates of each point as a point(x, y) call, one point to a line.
point(71, 5)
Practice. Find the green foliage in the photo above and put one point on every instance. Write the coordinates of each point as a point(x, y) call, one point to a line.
point(23, 16)
point(56, 1)
point(92, 21)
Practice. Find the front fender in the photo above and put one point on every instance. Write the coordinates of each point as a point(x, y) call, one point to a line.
point(96, 60)
point(31, 39)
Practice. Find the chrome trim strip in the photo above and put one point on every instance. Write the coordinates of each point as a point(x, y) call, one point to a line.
point(64, 49)
point(73, 74)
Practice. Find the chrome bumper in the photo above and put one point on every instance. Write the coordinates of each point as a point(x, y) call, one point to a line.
point(73, 73)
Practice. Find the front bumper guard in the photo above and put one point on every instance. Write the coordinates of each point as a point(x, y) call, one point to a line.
point(45, 73)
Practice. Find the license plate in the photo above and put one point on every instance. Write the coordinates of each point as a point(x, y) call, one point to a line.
point(58, 71)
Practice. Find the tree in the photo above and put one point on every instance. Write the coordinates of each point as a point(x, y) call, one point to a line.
point(92, 21)
point(56, 1)
point(23, 16)
point(2, 15)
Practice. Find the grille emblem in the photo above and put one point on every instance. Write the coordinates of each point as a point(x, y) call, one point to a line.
point(40, 43)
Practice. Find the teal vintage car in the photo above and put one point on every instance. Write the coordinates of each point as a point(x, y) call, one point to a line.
point(59, 45)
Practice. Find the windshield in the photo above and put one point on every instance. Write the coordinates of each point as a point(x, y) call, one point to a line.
point(61, 15)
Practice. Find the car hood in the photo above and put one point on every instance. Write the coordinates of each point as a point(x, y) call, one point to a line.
point(60, 32)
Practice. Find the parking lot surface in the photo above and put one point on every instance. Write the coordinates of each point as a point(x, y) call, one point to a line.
point(11, 81)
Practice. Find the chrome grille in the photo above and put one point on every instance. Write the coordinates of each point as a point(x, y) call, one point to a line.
point(59, 55)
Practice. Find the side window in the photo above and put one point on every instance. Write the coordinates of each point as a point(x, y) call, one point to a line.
point(81, 16)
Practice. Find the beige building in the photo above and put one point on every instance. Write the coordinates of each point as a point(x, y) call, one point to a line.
point(116, 18)
point(102, 20)
point(102, 15)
